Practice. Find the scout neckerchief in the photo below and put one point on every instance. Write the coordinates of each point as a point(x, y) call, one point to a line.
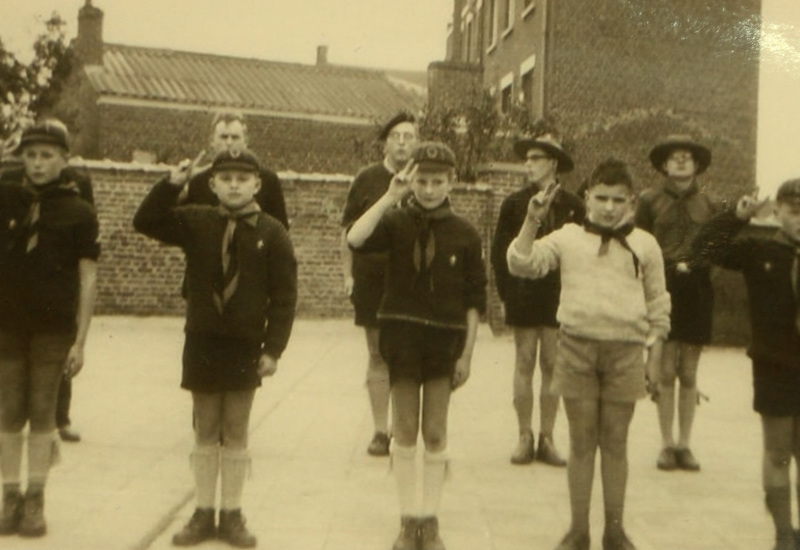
point(425, 243)
point(618, 234)
point(782, 237)
point(31, 221)
point(225, 287)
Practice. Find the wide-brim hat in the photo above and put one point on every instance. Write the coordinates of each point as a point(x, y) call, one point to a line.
point(51, 132)
point(661, 152)
point(549, 144)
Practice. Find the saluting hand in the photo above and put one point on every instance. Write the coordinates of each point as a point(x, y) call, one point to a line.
point(541, 201)
point(748, 205)
point(185, 169)
point(401, 182)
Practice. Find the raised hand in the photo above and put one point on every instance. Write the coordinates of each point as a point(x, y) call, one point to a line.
point(748, 205)
point(185, 169)
point(401, 182)
point(541, 201)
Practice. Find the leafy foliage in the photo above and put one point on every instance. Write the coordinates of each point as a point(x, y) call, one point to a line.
point(28, 91)
point(479, 132)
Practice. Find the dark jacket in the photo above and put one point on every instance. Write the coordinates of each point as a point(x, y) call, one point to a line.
point(767, 268)
point(39, 290)
point(456, 278)
point(530, 302)
point(269, 197)
point(674, 218)
point(267, 291)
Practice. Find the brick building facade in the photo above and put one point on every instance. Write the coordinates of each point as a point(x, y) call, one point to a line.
point(617, 76)
point(134, 103)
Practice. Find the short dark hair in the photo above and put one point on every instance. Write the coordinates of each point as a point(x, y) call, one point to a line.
point(228, 116)
point(610, 172)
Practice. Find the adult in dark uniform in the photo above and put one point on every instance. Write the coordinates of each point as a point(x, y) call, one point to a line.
point(364, 272)
point(530, 305)
point(673, 211)
point(228, 132)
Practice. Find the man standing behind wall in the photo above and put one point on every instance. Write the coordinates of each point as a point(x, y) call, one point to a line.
point(364, 272)
point(530, 305)
point(229, 132)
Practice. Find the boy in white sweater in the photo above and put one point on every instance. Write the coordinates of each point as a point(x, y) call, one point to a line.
point(614, 307)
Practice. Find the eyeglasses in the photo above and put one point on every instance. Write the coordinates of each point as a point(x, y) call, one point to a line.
point(405, 136)
point(535, 158)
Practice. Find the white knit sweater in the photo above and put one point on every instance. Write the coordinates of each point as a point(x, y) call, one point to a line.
point(602, 298)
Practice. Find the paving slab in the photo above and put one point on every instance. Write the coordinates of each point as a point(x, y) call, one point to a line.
point(127, 485)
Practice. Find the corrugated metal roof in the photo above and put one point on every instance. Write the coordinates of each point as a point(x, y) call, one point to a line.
point(205, 79)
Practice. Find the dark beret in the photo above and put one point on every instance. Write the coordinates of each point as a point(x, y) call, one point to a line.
point(399, 118)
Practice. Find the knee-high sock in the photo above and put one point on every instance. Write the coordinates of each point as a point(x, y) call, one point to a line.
point(10, 457)
point(433, 474)
point(404, 466)
point(235, 465)
point(205, 467)
point(687, 404)
point(797, 490)
point(42, 454)
point(779, 504)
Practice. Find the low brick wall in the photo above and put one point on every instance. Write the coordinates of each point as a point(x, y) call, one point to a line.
point(138, 276)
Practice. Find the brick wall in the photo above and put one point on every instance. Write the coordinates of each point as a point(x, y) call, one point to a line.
point(139, 276)
point(282, 143)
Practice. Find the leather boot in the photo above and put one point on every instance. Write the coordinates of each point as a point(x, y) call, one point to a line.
point(33, 523)
point(429, 534)
point(546, 452)
point(199, 528)
point(525, 452)
point(12, 511)
point(233, 531)
point(409, 534)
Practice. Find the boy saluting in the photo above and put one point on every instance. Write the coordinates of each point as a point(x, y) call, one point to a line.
point(614, 305)
point(771, 269)
point(241, 284)
point(435, 290)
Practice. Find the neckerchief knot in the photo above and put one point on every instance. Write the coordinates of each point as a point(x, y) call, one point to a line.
point(619, 234)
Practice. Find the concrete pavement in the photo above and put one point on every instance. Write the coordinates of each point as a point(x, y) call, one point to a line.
point(313, 487)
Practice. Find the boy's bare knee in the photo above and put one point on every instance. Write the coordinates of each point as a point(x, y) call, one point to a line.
point(435, 441)
point(614, 445)
point(668, 376)
point(377, 372)
point(778, 458)
point(688, 380)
